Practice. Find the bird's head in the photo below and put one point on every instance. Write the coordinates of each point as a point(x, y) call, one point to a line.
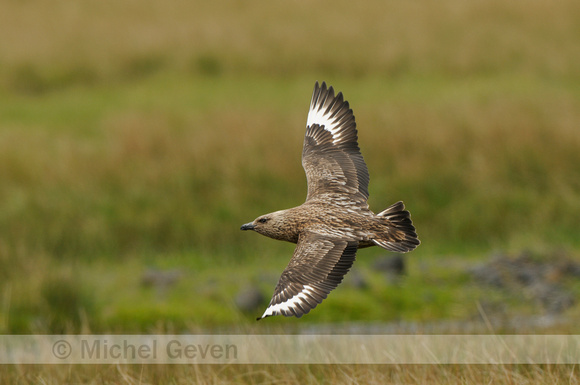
point(274, 225)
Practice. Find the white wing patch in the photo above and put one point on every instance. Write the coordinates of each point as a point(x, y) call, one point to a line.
point(289, 303)
point(320, 114)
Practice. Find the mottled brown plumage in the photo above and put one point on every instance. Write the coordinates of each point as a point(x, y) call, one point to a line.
point(335, 219)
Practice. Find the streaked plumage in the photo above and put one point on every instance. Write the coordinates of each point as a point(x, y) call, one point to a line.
point(335, 220)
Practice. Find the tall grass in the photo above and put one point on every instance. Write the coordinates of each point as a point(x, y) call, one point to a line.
point(88, 42)
point(473, 173)
point(294, 374)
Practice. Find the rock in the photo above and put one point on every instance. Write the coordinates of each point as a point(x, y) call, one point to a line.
point(160, 278)
point(394, 264)
point(487, 275)
point(250, 299)
point(538, 278)
point(356, 280)
point(553, 298)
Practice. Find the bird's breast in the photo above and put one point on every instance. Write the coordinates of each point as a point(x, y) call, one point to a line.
point(341, 221)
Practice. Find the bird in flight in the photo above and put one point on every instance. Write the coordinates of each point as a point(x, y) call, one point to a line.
point(335, 220)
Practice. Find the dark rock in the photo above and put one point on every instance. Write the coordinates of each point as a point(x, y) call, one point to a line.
point(250, 299)
point(356, 280)
point(487, 275)
point(160, 278)
point(394, 264)
point(538, 278)
point(553, 298)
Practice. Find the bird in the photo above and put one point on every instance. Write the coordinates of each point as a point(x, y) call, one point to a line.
point(335, 220)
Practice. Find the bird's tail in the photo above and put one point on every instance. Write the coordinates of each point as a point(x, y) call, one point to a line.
point(400, 235)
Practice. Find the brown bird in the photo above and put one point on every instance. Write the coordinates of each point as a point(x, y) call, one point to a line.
point(335, 219)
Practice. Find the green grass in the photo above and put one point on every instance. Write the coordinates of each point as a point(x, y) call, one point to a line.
point(293, 374)
point(136, 174)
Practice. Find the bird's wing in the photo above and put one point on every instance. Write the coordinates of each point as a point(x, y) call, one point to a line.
point(318, 265)
point(331, 156)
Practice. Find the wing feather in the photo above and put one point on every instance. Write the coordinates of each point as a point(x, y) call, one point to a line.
point(331, 156)
point(317, 267)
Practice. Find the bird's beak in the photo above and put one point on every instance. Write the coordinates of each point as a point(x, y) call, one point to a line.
point(248, 226)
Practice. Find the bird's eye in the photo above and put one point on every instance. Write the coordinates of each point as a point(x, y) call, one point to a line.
point(263, 220)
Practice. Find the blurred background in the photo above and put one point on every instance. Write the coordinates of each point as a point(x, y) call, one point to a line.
point(137, 136)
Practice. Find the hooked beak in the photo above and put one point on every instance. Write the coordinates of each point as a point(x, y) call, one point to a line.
point(247, 226)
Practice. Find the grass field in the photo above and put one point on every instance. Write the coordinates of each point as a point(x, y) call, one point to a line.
point(294, 374)
point(138, 136)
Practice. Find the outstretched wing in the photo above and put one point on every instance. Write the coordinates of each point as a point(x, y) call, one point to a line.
point(331, 156)
point(318, 265)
